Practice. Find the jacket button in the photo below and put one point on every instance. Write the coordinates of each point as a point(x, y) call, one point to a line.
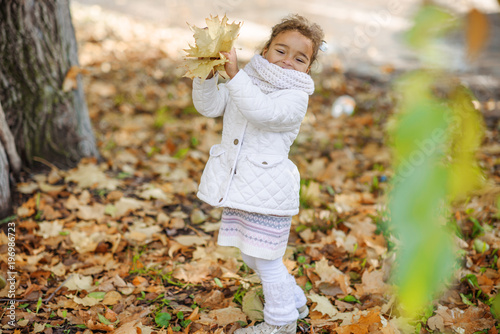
point(236, 141)
point(221, 199)
point(264, 162)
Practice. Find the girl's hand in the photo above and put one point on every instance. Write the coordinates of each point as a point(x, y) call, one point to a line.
point(231, 66)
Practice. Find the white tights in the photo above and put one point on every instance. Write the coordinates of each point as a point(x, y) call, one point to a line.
point(283, 295)
point(269, 271)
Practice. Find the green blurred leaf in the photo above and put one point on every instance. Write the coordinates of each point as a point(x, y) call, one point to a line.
point(97, 295)
point(434, 141)
point(472, 280)
point(190, 110)
point(194, 142)
point(218, 282)
point(466, 300)
point(498, 204)
point(103, 319)
point(182, 153)
point(38, 304)
point(495, 307)
point(430, 23)
point(7, 219)
point(466, 137)
point(351, 299)
point(162, 319)
point(477, 229)
point(481, 246)
point(110, 210)
point(418, 198)
point(161, 117)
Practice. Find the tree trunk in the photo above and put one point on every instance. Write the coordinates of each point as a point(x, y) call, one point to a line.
point(9, 161)
point(37, 49)
point(5, 201)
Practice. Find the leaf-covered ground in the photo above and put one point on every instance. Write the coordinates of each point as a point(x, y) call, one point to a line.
point(122, 244)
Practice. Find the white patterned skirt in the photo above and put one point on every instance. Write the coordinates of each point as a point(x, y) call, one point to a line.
point(257, 235)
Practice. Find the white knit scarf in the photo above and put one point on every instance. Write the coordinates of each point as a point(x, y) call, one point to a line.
point(270, 77)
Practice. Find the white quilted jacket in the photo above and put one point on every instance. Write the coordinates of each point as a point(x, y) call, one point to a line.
point(250, 170)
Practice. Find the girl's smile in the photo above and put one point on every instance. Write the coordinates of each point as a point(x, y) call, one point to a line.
point(290, 50)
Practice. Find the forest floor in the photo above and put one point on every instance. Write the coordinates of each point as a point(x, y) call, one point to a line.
point(123, 245)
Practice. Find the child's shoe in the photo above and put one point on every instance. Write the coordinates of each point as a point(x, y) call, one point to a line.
point(265, 328)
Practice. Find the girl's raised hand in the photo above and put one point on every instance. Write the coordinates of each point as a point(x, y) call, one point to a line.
point(231, 66)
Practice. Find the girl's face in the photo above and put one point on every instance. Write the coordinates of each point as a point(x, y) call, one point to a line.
point(290, 50)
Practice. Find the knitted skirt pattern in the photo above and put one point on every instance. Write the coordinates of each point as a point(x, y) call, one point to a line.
point(255, 234)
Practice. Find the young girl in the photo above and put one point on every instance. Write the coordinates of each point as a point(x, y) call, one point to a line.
point(249, 173)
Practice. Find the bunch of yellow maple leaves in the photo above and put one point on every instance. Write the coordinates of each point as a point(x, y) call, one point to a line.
point(206, 57)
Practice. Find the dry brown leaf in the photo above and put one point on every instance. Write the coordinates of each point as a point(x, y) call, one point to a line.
point(112, 298)
point(50, 229)
point(227, 316)
point(126, 205)
point(27, 187)
point(477, 33)
point(212, 299)
point(141, 233)
point(372, 283)
point(194, 272)
point(366, 324)
point(311, 193)
point(86, 301)
point(89, 175)
point(468, 321)
point(78, 283)
point(91, 212)
point(330, 274)
point(252, 306)
point(58, 270)
point(323, 305)
point(195, 315)
point(198, 216)
point(152, 192)
point(139, 280)
point(192, 240)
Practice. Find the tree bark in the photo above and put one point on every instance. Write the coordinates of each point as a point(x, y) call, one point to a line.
point(5, 201)
point(9, 161)
point(37, 50)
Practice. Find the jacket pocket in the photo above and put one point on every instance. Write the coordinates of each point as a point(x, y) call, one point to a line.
point(214, 175)
point(265, 160)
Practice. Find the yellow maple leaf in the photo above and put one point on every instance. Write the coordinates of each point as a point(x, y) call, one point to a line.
point(205, 56)
point(323, 305)
point(202, 67)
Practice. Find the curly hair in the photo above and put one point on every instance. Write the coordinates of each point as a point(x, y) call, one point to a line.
point(298, 23)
